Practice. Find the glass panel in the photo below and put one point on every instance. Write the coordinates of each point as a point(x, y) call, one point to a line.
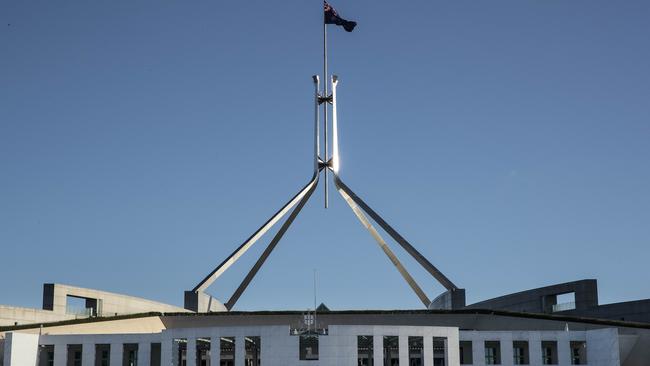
point(74, 355)
point(309, 347)
point(549, 352)
point(179, 352)
point(466, 356)
point(492, 353)
point(203, 351)
point(391, 350)
point(130, 354)
point(439, 351)
point(520, 352)
point(253, 349)
point(155, 355)
point(365, 349)
point(227, 345)
point(578, 353)
point(46, 355)
point(416, 345)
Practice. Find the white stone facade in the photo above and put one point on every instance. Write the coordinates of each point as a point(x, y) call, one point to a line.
point(338, 347)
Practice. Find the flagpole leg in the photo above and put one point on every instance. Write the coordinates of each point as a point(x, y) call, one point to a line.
point(325, 129)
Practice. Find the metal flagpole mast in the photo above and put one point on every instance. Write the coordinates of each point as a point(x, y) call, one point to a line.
point(325, 98)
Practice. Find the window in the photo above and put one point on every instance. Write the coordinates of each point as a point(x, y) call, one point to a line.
point(179, 352)
point(309, 347)
point(549, 352)
point(391, 350)
point(365, 349)
point(227, 345)
point(102, 354)
point(130, 354)
point(492, 353)
point(520, 352)
point(578, 353)
point(416, 344)
point(253, 348)
point(439, 351)
point(203, 351)
point(155, 355)
point(465, 350)
point(46, 355)
point(74, 355)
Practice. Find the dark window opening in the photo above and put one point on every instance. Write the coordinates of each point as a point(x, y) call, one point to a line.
point(365, 350)
point(309, 347)
point(391, 350)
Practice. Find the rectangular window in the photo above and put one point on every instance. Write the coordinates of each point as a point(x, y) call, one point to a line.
point(549, 352)
point(130, 354)
point(155, 355)
point(203, 351)
point(578, 353)
point(309, 347)
point(365, 350)
point(492, 352)
point(102, 355)
point(520, 352)
point(46, 355)
point(439, 351)
point(465, 350)
point(227, 345)
point(416, 345)
point(253, 351)
point(74, 355)
point(179, 352)
point(391, 350)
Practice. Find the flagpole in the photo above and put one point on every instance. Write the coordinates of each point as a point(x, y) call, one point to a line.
point(326, 82)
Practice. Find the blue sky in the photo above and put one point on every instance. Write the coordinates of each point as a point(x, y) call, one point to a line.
point(141, 142)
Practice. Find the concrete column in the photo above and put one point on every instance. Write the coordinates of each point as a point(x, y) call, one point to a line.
point(60, 354)
point(215, 348)
point(191, 351)
point(452, 344)
point(535, 348)
point(117, 350)
point(427, 350)
point(166, 351)
point(378, 349)
point(88, 354)
point(507, 353)
point(563, 349)
point(478, 351)
point(240, 351)
point(403, 350)
point(144, 353)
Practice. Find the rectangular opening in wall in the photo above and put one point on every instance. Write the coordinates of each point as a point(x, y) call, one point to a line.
point(46, 355)
point(465, 351)
point(391, 350)
point(365, 349)
point(578, 352)
point(416, 350)
point(549, 352)
point(565, 302)
point(439, 351)
point(253, 350)
point(102, 355)
point(155, 355)
point(227, 349)
point(130, 354)
point(308, 347)
point(492, 352)
point(74, 355)
point(520, 353)
point(179, 352)
point(203, 351)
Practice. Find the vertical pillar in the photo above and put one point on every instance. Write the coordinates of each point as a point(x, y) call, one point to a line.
point(60, 354)
point(166, 351)
point(144, 353)
point(378, 349)
point(215, 347)
point(563, 349)
point(190, 355)
point(427, 350)
point(117, 350)
point(478, 351)
point(240, 351)
point(507, 354)
point(452, 348)
point(403, 350)
point(88, 354)
point(534, 348)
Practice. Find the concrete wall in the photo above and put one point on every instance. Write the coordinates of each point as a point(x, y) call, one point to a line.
point(12, 315)
point(635, 311)
point(21, 349)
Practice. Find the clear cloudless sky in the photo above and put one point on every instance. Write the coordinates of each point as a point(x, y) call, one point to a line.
point(142, 141)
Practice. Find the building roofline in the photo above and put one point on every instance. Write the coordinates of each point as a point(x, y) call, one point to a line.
point(562, 318)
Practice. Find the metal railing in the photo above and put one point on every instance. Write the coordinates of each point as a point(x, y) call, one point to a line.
point(564, 306)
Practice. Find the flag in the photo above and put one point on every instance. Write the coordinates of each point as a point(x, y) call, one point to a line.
point(332, 17)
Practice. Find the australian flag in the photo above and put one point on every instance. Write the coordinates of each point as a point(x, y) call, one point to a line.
point(332, 17)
